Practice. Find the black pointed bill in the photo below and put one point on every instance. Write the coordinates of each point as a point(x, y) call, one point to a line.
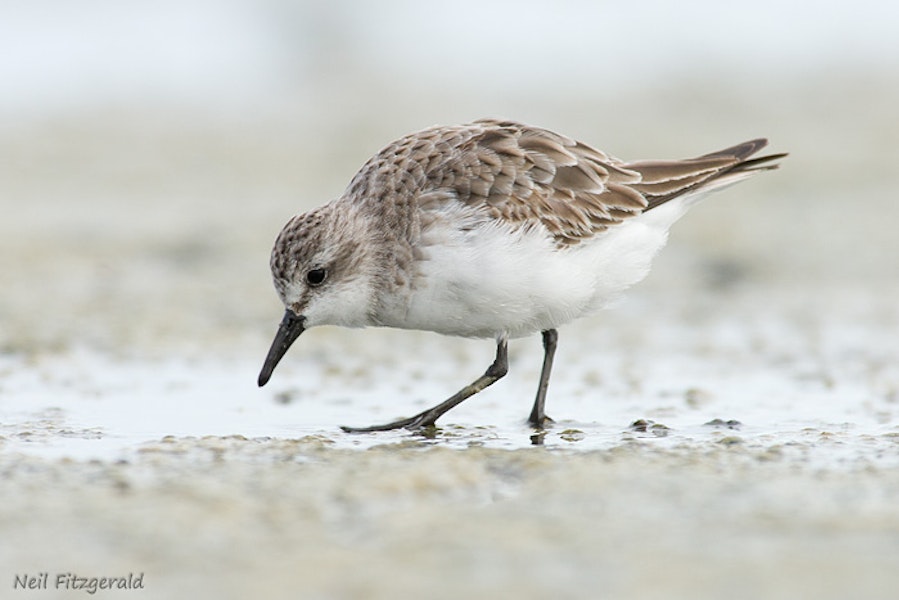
point(288, 331)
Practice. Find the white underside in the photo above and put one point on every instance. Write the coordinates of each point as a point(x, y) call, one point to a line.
point(482, 279)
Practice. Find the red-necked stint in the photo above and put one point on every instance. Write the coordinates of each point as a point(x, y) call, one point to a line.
point(492, 229)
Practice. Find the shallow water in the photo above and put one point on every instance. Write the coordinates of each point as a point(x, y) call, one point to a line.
point(822, 390)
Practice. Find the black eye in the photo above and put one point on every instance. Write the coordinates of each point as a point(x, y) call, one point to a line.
point(316, 276)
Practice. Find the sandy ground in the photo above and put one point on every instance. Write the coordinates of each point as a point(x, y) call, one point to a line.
point(760, 354)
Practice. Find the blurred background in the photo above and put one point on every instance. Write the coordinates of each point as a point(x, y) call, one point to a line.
point(150, 152)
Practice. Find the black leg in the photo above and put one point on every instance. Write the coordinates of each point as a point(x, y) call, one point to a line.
point(427, 418)
point(538, 416)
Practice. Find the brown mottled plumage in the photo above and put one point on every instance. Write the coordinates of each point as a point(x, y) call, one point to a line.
point(525, 175)
point(459, 229)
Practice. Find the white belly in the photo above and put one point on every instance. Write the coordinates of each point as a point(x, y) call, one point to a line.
point(490, 280)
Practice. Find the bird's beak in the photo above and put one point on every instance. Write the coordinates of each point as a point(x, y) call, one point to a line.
point(288, 331)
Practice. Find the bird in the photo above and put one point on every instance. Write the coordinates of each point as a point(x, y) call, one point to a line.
point(492, 229)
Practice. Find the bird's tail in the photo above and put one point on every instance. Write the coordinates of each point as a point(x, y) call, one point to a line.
point(664, 180)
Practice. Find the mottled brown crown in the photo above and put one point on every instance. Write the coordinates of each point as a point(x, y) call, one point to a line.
point(298, 234)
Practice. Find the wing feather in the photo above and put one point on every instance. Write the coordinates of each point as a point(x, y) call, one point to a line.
point(528, 176)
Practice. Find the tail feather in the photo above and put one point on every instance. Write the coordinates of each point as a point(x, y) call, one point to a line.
point(740, 151)
point(665, 180)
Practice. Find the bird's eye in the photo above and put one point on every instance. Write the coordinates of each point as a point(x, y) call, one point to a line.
point(316, 276)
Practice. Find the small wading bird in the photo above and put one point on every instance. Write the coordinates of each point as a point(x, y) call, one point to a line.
point(492, 229)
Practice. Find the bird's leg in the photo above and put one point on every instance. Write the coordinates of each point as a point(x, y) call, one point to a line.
point(538, 416)
point(427, 418)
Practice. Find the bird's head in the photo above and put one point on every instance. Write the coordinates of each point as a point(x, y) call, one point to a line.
point(320, 269)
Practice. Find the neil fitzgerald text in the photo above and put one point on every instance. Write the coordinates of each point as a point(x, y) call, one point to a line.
point(71, 581)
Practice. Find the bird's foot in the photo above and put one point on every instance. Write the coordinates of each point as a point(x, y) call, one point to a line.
point(420, 421)
point(539, 422)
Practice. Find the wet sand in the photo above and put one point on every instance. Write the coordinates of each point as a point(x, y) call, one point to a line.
point(234, 517)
